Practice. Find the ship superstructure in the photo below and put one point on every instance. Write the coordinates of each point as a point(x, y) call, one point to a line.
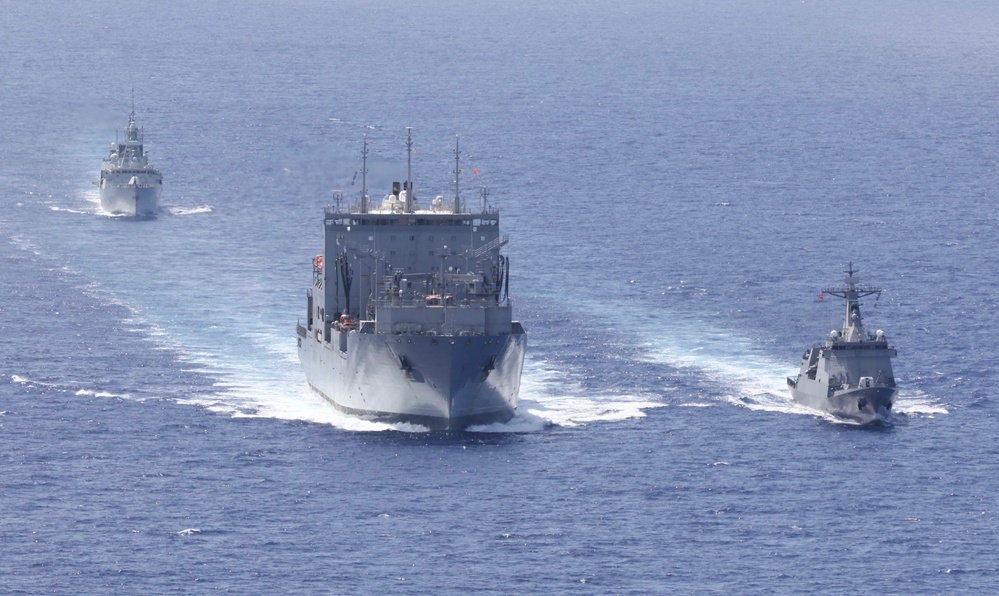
point(129, 184)
point(409, 317)
point(850, 375)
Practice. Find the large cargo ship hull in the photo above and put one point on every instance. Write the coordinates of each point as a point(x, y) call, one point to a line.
point(441, 382)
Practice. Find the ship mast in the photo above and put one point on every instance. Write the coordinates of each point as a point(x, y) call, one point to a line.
point(853, 327)
point(131, 120)
point(457, 173)
point(364, 176)
point(409, 169)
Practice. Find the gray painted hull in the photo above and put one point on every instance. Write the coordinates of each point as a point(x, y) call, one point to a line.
point(130, 199)
point(863, 404)
point(442, 382)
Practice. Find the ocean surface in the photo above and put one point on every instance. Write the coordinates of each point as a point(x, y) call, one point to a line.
point(679, 179)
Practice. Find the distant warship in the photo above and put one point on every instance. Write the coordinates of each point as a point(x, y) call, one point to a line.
point(850, 376)
point(129, 184)
point(409, 317)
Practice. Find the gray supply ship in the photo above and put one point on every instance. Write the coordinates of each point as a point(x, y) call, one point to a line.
point(850, 375)
point(409, 317)
point(129, 184)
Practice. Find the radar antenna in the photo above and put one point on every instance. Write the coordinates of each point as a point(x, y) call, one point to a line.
point(853, 328)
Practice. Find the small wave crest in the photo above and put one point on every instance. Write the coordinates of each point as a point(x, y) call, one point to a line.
point(22, 380)
point(917, 403)
point(68, 210)
point(65, 388)
point(174, 210)
point(92, 393)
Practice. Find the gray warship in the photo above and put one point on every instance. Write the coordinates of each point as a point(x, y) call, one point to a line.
point(129, 184)
point(850, 375)
point(409, 317)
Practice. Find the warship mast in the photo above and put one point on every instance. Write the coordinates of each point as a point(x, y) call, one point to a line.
point(853, 327)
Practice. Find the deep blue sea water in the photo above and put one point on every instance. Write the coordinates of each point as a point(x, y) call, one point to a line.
point(679, 180)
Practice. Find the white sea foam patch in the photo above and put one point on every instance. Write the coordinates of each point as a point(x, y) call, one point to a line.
point(21, 380)
point(68, 210)
point(523, 422)
point(917, 403)
point(174, 210)
point(549, 397)
point(91, 393)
